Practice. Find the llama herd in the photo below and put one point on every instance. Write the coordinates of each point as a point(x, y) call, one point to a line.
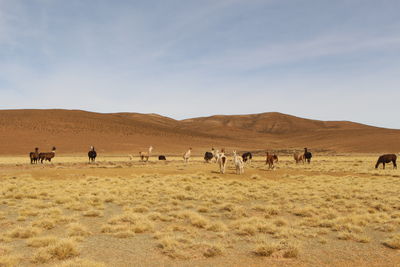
point(219, 157)
point(43, 156)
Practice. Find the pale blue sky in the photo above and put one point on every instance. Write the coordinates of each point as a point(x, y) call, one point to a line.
point(320, 59)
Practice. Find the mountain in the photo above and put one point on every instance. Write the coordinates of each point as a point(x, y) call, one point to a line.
point(73, 131)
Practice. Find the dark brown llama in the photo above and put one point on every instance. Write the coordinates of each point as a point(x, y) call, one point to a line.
point(92, 154)
point(307, 155)
point(47, 155)
point(387, 158)
point(34, 156)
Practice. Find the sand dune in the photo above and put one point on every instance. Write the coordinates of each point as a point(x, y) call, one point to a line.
point(73, 131)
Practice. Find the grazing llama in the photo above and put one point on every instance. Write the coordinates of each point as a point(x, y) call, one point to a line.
point(186, 156)
point(239, 165)
point(208, 156)
point(270, 160)
point(144, 156)
point(298, 157)
point(92, 154)
point(222, 160)
point(247, 156)
point(34, 156)
point(47, 155)
point(387, 158)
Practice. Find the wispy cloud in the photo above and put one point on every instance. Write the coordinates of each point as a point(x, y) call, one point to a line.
point(196, 58)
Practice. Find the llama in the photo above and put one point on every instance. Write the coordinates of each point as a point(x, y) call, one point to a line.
point(144, 156)
point(298, 158)
point(208, 156)
point(186, 156)
point(162, 157)
point(215, 154)
point(238, 163)
point(222, 160)
point(34, 156)
point(307, 155)
point(47, 155)
point(387, 158)
point(92, 154)
point(270, 160)
point(247, 156)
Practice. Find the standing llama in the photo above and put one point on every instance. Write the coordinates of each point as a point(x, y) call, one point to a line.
point(239, 165)
point(215, 154)
point(307, 155)
point(270, 160)
point(34, 156)
point(186, 156)
point(47, 155)
point(298, 158)
point(92, 154)
point(222, 160)
point(387, 158)
point(144, 156)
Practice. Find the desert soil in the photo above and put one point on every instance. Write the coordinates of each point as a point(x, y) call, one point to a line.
point(337, 211)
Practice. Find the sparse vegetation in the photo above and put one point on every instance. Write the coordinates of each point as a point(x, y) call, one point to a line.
point(196, 215)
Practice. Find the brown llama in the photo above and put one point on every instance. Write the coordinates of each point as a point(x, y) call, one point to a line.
point(387, 158)
point(298, 158)
point(271, 159)
point(47, 155)
point(144, 156)
point(222, 161)
point(34, 156)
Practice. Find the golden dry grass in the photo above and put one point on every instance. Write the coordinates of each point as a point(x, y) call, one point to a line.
point(70, 214)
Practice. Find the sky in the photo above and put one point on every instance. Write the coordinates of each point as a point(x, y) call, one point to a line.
point(318, 59)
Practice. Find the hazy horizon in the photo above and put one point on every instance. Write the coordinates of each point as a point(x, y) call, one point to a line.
point(322, 60)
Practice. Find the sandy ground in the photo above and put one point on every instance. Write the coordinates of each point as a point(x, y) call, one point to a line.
point(337, 211)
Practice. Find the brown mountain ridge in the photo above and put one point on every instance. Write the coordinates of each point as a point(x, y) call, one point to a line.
point(73, 131)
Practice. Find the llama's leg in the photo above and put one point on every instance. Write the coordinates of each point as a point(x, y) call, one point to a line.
point(394, 164)
point(384, 165)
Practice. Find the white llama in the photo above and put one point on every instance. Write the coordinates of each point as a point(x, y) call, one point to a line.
point(238, 163)
point(215, 154)
point(222, 160)
point(144, 156)
point(186, 156)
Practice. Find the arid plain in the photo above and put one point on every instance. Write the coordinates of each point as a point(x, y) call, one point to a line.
point(337, 211)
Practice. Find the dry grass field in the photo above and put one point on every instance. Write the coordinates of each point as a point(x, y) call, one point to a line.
point(338, 211)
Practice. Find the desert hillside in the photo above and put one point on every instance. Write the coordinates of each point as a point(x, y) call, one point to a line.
point(73, 131)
